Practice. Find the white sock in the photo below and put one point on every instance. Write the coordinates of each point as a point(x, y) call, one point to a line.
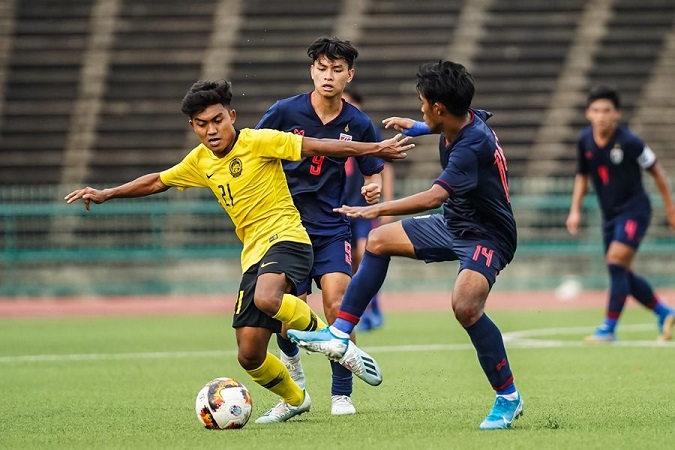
point(338, 333)
point(510, 397)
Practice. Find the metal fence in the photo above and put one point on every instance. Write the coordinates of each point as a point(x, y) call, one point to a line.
point(179, 243)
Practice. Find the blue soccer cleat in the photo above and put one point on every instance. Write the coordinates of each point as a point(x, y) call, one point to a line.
point(601, 335)
point(503, 413)
point(665, 324)
point(342, 350)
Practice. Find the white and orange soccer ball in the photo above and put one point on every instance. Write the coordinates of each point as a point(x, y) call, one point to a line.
point(223, 403)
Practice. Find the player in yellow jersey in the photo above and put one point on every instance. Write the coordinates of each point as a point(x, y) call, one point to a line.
point(243, 169)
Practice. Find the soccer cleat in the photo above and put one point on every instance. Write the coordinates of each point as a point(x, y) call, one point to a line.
point(294, 366)
point(342, 350)
point(370, 320)
point(665, 325)
point(341, 405)
point(601, 336)
point(503, 413)
point(282, 411)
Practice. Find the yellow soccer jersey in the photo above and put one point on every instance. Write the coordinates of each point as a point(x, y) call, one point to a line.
point(250, 185)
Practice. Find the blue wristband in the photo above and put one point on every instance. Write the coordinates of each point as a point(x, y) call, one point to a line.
point(418, 129)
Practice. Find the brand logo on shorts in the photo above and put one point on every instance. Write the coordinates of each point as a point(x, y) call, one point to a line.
point(265, 264)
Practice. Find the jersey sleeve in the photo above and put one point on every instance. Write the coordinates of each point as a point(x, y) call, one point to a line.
point(183, 175)
point(461, 174)
point(647, 158)
point(275, 144)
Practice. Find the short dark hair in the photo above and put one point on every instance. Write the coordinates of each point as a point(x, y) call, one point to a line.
point(603, 92)
point(333, 49)
point(448, 83)
point(205, 93)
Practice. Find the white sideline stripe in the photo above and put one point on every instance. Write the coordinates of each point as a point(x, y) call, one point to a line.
point(514, 339)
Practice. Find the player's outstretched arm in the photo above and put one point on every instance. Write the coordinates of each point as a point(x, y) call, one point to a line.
point(407, 126)
point(663, 184)
point(389, 149)
point(140, 187)
point(413, 204)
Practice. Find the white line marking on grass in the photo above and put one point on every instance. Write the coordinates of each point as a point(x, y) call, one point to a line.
point(115, 356)
point(514, 339)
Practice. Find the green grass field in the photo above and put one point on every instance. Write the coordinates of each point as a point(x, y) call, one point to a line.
point(115, 382)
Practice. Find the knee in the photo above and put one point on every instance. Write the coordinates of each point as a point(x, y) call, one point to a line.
point(267, 301)
point(376, 242)
point(467, 314)
point(249, 359)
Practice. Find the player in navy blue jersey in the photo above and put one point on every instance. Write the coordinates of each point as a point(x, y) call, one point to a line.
point(372, 317)
point(477, 228)
point(318, 185)
point(613, 157)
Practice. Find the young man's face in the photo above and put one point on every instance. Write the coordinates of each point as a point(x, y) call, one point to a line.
point(330, 77)
point(215, 127)
point(602, 115)
point(430, 114)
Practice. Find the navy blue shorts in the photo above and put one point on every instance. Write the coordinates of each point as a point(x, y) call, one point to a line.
point(433, 243)
point(628, 228)
point(361, 228)
point(331, 254)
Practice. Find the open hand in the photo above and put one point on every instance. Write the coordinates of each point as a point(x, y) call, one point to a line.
point(87, 195)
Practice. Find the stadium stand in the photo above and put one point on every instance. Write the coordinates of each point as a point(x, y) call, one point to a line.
point(41, 83)
point(90, 93)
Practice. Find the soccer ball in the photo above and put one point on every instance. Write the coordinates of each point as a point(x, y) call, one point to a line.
point(223, 403)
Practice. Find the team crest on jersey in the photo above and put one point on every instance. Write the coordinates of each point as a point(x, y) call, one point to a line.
point(616, 155)
point(347, 128)
point(345, 137)
point(236, 167)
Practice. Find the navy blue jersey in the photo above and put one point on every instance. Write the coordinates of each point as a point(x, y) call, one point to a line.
point(616, 170)
point(354, 181)
point(317, 184)
point(476, 177)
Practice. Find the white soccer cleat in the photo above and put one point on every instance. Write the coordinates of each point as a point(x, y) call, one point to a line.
point(361, 364)
point(342, 350)
point(282, 411)
point(294, 366)
point(341, 405)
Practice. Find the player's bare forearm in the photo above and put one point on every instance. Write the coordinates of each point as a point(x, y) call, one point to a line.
point(578, 192)
point(140, 187)
point(574, 217)
point(663, 185)
point(389, 149)
point(416, 203)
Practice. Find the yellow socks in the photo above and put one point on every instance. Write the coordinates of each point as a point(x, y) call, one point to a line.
point(297, 315)
point(273, 375)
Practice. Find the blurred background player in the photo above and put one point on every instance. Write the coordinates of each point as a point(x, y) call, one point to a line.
point(372, 317)
point(317, 185)
point(613, 157)
point(477, 228)
point(243, 169)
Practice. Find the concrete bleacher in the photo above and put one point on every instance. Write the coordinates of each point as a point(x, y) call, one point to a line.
point(156, 55)
point(42, 77)
point(520, 53)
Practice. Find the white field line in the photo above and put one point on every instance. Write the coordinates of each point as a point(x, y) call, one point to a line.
point(513, 339)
